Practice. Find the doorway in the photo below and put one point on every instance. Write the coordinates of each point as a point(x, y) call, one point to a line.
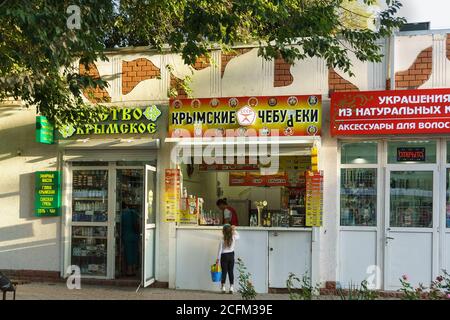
point(391, 204)
point(111, 205)
point(410, 227)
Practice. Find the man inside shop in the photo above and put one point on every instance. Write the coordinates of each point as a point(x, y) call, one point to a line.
point(229, 213)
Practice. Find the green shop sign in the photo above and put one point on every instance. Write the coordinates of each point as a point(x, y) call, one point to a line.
point(47, 201)
point(118, 121)
point(44, 130)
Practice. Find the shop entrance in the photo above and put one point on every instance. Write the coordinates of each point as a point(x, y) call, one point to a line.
point(112, 219)
point(411, 234)
point(391, 195)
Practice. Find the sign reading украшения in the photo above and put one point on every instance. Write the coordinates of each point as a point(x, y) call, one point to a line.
point(138, 120)
point(47, 201)
point(423, 111)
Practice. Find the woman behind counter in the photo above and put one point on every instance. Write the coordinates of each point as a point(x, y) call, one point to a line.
point(229, 213)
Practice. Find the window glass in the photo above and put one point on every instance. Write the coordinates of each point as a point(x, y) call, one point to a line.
point(358, 197)
point(407, 152)
point(448, 152)
point(411, 199)
point(359, 152)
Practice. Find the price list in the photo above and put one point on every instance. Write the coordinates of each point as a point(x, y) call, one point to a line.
point(314, 198)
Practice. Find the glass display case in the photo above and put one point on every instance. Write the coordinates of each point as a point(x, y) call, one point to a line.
point(89, 219)
point(359, 197)
point(293, 201)
point(90, 196)
point(89, 249)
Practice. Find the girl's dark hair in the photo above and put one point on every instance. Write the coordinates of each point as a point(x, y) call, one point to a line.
point(221, 201)
point(227, 235)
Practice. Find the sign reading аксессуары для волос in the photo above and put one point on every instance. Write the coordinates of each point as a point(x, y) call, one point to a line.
point(47, 201)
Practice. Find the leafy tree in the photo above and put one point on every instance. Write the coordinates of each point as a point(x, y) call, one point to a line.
point(294, 29)
point(39, 53)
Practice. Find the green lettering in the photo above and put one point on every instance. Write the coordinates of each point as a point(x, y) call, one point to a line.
point(126, 114)
point(124, 128)
point(137, 113)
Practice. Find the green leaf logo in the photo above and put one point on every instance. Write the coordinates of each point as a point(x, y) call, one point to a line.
point(152, 113)
point(67, 131)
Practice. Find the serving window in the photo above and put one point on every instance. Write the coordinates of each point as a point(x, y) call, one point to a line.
point(280, 196)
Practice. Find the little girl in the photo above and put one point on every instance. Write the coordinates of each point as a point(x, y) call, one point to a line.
point(226, 255)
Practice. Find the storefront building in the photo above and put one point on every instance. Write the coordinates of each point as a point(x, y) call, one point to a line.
point(384, 193)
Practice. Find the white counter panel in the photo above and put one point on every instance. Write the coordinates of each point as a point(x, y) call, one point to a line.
point(252, 249)
point(196, 250)
point(288, 252)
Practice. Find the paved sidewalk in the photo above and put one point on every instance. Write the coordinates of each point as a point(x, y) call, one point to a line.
point(59, 291)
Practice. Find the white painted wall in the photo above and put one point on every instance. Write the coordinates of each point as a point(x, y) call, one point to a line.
point(26, 242)
point(329, 231)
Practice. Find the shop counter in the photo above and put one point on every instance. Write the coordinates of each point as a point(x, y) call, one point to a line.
point(269, 254)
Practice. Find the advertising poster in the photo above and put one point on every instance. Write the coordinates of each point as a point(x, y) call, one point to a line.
point(254, 179)
point(423, 111)
point(314, 198)
point(246, 116)
point(172, 194)
point(47, 201)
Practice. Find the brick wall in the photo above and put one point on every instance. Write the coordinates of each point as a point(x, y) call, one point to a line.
point(338, 84)
point(201, 63)
point(226, 57)
point(448, 46)
point(282, 73)
point(175, 83)
point(136, 71)
point(418, 73)
point(94, 95)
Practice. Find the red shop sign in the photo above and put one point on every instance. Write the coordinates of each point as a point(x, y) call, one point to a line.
point(390, 112)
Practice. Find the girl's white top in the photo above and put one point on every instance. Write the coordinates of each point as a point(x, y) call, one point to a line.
point(224, 249)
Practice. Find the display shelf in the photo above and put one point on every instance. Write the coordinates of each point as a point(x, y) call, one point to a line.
point(358, 197)
point(89, 237)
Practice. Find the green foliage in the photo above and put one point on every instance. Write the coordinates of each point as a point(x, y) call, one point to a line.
point(294, 29)
point(439, 288)
point(246, 288)
point(409, 292)
point(39, 53)
point(355, 292)
point(305, 289)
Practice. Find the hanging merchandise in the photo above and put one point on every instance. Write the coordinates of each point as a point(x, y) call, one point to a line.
point(314, 199)
point(314, 159)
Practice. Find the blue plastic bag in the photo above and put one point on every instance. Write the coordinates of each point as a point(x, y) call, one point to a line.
point(216, 273)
